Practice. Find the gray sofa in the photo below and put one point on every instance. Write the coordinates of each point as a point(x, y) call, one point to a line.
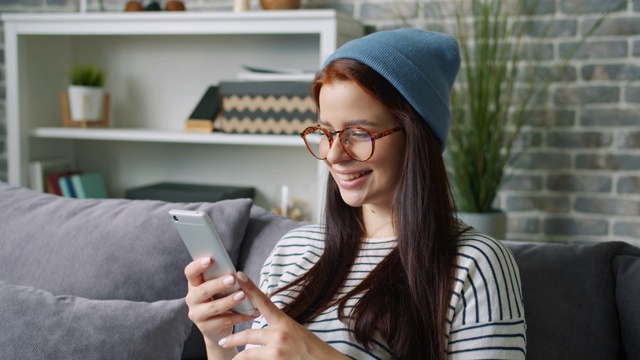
point(103, 279)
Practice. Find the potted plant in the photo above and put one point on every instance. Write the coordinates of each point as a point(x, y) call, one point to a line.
point(86, 93)
point(500, 80)
point(488, 104)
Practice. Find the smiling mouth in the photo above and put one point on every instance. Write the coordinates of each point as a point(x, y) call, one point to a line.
point(348, 177)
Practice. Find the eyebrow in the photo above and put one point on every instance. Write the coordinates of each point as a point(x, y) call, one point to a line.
point(355, 122)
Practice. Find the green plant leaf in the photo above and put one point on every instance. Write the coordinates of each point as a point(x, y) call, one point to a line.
point(498, 84)
point(87, 75)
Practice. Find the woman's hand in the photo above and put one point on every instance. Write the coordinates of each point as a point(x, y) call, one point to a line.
point(210, 312)
point(284, 338)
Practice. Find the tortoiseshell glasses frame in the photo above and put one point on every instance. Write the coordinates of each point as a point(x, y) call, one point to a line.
point(356, 141)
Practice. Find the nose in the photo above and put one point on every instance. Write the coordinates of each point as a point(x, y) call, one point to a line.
point(336, 153)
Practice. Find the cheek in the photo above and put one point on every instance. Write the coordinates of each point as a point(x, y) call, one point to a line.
point(324, 144)
point(395, 162)
point(391, 165)
point(395, 153)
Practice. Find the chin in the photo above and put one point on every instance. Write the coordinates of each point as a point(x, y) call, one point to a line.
point(354, 204)
point(358, 202)
point(351, 200)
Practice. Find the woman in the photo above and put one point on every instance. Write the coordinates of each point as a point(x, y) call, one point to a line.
point(390, 273)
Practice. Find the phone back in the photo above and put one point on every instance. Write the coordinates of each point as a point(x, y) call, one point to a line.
point(202, 240)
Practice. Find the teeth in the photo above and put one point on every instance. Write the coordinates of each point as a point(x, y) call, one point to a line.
point(351, 176)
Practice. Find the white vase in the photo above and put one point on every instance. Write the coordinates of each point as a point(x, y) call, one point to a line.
point(493, 224)
point(86, 103)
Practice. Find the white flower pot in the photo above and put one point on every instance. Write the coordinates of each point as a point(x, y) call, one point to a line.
point(86, 103)
point(493, 224)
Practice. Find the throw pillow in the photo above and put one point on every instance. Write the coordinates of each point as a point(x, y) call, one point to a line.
point(263, 232)
point(569, 300)
point(104, 248)
point(39, 325)
point(626, 266)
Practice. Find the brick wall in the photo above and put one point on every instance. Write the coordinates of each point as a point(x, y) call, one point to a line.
point(579, 179)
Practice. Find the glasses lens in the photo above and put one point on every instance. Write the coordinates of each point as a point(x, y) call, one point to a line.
point(318, 143)
point(358, 143)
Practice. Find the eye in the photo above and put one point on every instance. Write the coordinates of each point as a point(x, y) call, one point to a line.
point(358, 135)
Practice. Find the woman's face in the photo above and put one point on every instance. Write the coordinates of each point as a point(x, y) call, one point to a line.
point(371, 183)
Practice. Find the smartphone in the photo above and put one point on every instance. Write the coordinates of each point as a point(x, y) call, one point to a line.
point(202, 240)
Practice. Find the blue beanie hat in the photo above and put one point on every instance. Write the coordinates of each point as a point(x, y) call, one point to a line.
point(421, 65)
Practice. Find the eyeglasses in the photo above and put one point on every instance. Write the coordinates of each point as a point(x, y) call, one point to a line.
point(358, 142)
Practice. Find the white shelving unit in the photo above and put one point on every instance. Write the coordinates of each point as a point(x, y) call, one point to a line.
point(159, 65)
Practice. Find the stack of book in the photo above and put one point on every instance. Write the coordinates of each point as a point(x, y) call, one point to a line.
point(59, 177)
point(83, 186)
point(258, 73)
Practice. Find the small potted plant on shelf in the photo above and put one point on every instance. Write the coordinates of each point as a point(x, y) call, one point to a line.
point(86, 93)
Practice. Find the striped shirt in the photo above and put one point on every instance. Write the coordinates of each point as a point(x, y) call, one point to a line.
point(486, 315)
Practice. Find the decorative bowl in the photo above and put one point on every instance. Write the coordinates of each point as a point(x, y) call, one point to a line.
point(279, 4)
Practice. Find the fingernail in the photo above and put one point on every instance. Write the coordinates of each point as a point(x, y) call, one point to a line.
point(205, 261)
point(238, 296)
point(256, 313)
point(222, 341)
point(242, 277)
point(229, 280)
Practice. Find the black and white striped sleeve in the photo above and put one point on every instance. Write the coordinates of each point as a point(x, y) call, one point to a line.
point(486, 318)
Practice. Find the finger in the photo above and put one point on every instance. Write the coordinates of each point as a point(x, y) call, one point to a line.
point(258, 353)
point(224, 304)
point(220, 326)
point(218, 312)
point(193, 271)
point(204, 292)
point(214, 324)
point(267, 308)
point(251, 336)
point(254, 354)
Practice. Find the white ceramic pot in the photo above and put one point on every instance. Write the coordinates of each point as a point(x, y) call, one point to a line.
point(493, 224)
point(86, 103)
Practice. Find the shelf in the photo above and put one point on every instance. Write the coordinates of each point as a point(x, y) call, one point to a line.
point(177, 16)
point(174, 23)
point(164, 136)
point(159, 64)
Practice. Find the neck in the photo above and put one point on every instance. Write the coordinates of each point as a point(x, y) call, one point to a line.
point(378, 221)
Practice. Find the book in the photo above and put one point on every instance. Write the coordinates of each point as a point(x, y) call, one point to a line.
point(39, 169)
point(208, 106)
point(52, 181)
point(89, 186)
point(255, 76)
point(258, 73)
point(275, 70)
point(66, 188)
point(205, 112)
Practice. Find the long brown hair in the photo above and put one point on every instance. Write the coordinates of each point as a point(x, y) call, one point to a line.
point(406, 297)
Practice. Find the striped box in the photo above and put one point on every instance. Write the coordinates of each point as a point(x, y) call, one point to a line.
point(266, 107)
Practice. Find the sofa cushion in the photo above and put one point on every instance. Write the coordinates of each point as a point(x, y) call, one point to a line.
point(105, 249)
point(569, 299)
point(68, 327)
point(263, 232)
point(626, 267)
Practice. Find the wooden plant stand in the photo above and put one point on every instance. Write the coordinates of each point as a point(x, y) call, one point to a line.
point(66, 114)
